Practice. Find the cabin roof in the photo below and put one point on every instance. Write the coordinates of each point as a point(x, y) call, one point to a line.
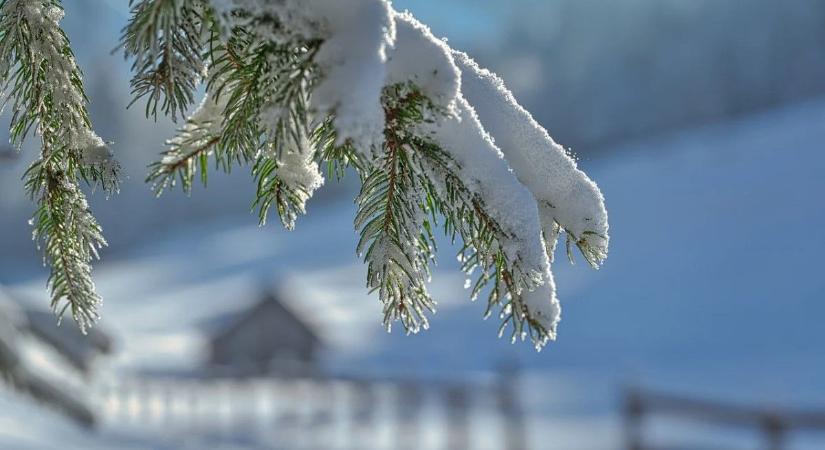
point(269, 303)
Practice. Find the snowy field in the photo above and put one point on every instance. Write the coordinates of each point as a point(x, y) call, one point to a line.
point(712, 288)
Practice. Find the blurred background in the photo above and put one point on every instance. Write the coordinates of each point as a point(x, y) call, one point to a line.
point(703, 122)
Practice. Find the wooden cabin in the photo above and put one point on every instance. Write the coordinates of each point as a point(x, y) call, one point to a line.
point(266, 339)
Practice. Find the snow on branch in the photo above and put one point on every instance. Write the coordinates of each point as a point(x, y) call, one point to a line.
point(566, 196)
point(41, 80)
point(437, 141)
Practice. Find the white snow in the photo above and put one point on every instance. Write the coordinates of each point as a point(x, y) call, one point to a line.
point(419, 57)
point(564, 193)
point(204, 124)
point(94, 152)
point(352, 59)
point(300, 173)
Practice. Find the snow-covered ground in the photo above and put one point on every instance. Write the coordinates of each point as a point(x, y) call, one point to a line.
point(713, 288)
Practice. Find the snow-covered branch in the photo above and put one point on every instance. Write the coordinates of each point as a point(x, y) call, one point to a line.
point(565, 195)
point(294, 83)
point(41, 80)
point(433, 137)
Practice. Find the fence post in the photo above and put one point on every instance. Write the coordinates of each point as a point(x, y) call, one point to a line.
point(324, 399)
point(515, 429)
point(633, 411)
point(408, 408)
point(458, 429)
point(774, 432)
point(363, 412)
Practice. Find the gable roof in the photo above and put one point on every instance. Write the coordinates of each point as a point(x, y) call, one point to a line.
point(270, 303)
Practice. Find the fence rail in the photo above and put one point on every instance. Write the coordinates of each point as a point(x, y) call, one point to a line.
point(323, 413)
point(775, 424)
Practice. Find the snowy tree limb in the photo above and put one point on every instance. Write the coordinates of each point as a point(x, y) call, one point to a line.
point(433, 137)
point(40, 77)
point(292, 85)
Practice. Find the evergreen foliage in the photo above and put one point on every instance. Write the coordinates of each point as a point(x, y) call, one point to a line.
point(42, 83)
point(289, 88)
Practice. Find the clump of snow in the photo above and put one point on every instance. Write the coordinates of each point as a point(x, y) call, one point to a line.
point(202, 126)
point(485, 173)
point(300, 173)
point(564, 193)
point(96, 153)
point(419, 57)
point(544, 308)
point(352, 59)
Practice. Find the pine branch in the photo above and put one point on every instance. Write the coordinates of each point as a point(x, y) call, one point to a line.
point(401, 201)
point(166, 39)
point(41, 80)
point(70, 236)
point(337, 157)
point(256, 106)
point(218, 128)
point(265, 86)
point(182, 161)
point(240, 80)
point(395, 248)
point(464, 215)
point(266, 60)
point(40, 77)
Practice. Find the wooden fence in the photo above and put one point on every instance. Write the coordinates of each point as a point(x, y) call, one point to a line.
point(775, 424)
point(319, 413)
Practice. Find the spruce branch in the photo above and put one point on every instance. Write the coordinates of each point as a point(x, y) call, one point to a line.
point(404, 195)
point(290, 86)
point(393, 241)
point(256, 106)
point(186, 157)
point(70, 236)
point(283, 94)
point(166, 39)
point(40, 78)
point(218, 128)
point(464, 214)
point(240, 80)
point(337, 158)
